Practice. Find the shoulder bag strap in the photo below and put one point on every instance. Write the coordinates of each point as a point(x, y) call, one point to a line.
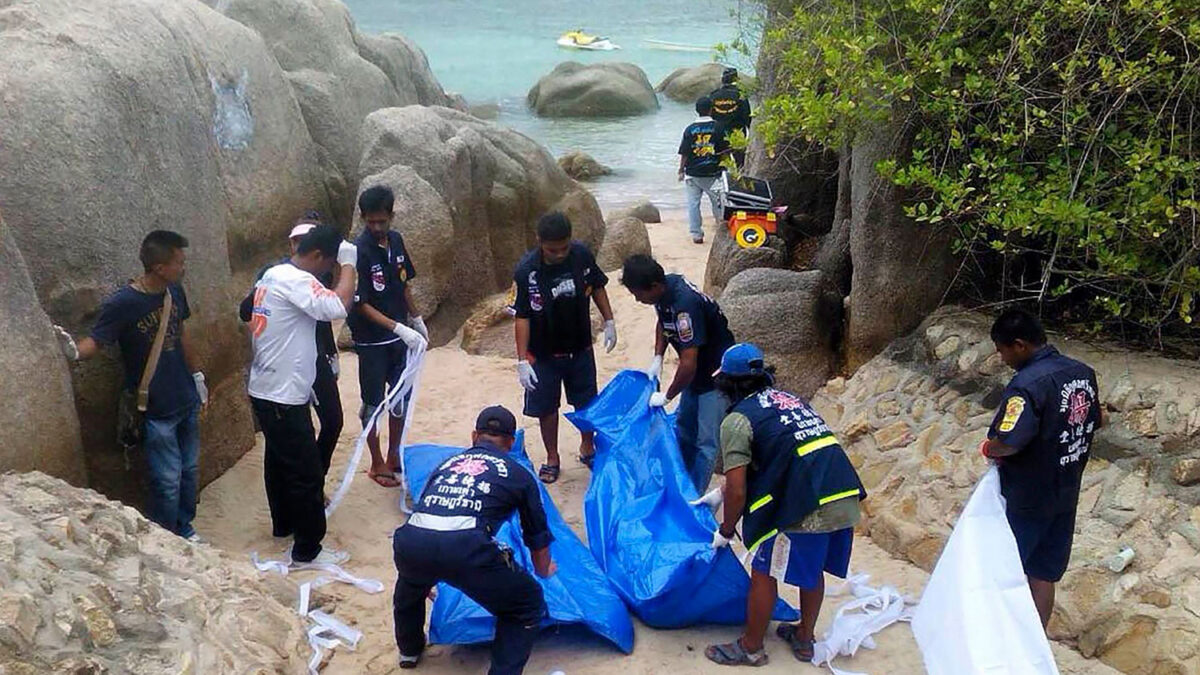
point(143, 391)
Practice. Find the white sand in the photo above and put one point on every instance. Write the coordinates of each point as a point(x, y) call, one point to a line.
point(455, 386)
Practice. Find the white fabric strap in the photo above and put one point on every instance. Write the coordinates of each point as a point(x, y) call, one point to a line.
point(871, 610)
point(429, 521)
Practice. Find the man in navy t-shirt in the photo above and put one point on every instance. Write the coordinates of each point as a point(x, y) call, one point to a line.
point(700, 152)
point(130, 318)
point(384, 322)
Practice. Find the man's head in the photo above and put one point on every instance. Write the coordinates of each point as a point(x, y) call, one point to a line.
point(375, 206)
point(303, 226)
point(644, 277)
point(316, 253)
point(743, 372)
point(495, 425)
point(1018, 335)
point(729, 75)
point(554, 237)
point(704, 106)
point(162, 255)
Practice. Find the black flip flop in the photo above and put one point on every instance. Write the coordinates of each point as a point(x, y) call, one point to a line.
point(549, 474)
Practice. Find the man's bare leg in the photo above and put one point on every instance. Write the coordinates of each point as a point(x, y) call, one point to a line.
point(1043, 598)
point(587, 444)
point(395, 430)
point(549, 427)
point(810, 610)
point(759, 603)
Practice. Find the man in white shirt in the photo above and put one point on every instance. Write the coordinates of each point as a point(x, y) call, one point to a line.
point(288, 302)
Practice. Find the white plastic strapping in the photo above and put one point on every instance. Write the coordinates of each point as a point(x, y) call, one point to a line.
point(870, 611)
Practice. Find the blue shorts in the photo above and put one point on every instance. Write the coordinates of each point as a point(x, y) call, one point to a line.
point(1044, 543)
point(800, 558)
point(576, 373)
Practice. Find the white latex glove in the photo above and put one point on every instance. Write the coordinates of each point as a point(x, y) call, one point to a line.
point(655, 368)
point(410, 337)
point(658, 399)
point(418, 324)
point(718, 540)
point(347, 254)
point(201, 387)
point(66, 343)
point(713, 499)
point(526, 376)
point(610, 335)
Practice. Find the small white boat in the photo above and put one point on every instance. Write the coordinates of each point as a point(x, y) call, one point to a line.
point(676, 46)
point(577, 39)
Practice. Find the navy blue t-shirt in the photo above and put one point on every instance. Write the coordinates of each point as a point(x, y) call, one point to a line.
point(701, 148)
point(1050, 413)
point(129, 318)
point(556, 300)
point(382, 276)
point(692, 319)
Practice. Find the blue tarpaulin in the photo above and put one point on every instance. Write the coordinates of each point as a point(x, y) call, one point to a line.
point(654, 547)
point(577, 594)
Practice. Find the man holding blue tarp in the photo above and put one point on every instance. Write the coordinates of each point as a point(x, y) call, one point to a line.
point(449, 539)
point(788, 479)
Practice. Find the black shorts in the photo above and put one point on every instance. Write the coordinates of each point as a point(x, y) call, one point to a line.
point(1044, 543)
point(575, 372)
point(379, 367)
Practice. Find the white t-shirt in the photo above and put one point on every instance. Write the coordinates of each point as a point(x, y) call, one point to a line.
point(288, 303)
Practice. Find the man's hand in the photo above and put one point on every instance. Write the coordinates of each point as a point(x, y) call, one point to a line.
point(550, 571)
point(655, 368)
point(719, 540)
point(409, 336)
point(201, 388)
point(681, 175)
point(610, 336)
point(658, 399)
point(526, 376)
point(66, 343)
point(347, 254)
point(418, 324)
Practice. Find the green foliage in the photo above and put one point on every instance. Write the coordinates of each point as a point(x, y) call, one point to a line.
point(1061, 138)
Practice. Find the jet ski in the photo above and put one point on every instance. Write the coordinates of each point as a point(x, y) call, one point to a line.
point(577, 39)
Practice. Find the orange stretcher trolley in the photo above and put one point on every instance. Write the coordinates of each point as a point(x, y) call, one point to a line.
point(746, 209)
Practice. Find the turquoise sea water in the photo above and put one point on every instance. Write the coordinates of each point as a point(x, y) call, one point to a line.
point(493, 51)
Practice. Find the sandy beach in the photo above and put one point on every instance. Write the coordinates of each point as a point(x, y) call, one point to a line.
point(455, 385)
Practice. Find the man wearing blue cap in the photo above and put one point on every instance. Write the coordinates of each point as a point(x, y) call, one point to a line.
point(788, 479)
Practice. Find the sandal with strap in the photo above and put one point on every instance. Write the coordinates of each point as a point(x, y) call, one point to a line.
point(803, 650)
point(734, 654)
point(587, 460)
point(549, 473)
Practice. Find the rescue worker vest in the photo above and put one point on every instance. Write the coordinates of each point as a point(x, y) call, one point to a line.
point(797, 465)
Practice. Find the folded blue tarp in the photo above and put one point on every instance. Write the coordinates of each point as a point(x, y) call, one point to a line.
point(654, 546)
point(577, 594)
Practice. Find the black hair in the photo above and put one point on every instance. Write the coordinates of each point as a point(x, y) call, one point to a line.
point(1017, 324)
point(640, 272)
point(159, 247)
point(704, 106)
point(729, 75)
point(554, 226)
point(376, 199)
point(311, 216)
point(738, 387)
point(323, 238)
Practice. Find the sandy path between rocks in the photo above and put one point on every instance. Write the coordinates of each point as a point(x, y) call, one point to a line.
point(454, 387)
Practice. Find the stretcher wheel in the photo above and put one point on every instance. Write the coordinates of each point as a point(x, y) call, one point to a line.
point(750, 235)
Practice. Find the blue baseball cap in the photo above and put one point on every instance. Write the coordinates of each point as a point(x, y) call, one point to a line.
point(742, 359)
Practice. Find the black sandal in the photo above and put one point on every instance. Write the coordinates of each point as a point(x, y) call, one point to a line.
point(587, 460)
point(549, 473)
point(734, 654)
point(803, 650)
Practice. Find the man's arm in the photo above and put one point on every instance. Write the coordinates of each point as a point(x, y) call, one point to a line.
point(600, 297)
point(344, 288)
point(660, 339)
point(543, 565)
point(409, 302)
point(685, 373)
point(535, 529)
point(522, 337)
point(188, 347)
point(735, 500)
point(377, 317)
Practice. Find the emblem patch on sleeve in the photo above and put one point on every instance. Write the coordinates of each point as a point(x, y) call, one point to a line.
point(1012, 412)
point(683, 325)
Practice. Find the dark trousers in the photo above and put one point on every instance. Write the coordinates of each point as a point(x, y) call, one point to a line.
point(293, 475)
point(329, 410)
point(473, 563)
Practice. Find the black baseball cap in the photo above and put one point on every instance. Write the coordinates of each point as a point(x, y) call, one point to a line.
point(496, 419)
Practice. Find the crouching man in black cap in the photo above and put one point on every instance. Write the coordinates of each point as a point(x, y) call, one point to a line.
point(449, 539)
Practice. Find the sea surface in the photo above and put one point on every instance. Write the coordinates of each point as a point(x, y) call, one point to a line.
point(493, 51)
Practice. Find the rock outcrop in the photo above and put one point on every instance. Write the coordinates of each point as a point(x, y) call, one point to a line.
point(787, 314)
point(726, 259)
point(468, 197)
point(582, 166)
point(685, 85)
point(573, 89)
point(89, 586)
point(644, 211)
point(912, 417)
point(622, 238)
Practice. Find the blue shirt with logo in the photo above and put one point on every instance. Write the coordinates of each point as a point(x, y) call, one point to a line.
point(383, 272)
point(692, 319)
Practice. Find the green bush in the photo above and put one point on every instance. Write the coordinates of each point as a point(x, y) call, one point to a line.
point(1060, 138)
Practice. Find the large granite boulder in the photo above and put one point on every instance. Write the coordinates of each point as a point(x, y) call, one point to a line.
point(89, 586)
point(623, 237)
point(573, 89)
point(582, 166)
point(685, 85)
point(788, 315)
point(644, 211)
point(469, 194)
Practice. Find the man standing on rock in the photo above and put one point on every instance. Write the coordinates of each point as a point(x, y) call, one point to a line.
point(288, 302)
point(731, 110)
point(160, 356)
point(384, 323)
point(1041, 438)
point(700, 153)
point(694, 325)
point(556, 282)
